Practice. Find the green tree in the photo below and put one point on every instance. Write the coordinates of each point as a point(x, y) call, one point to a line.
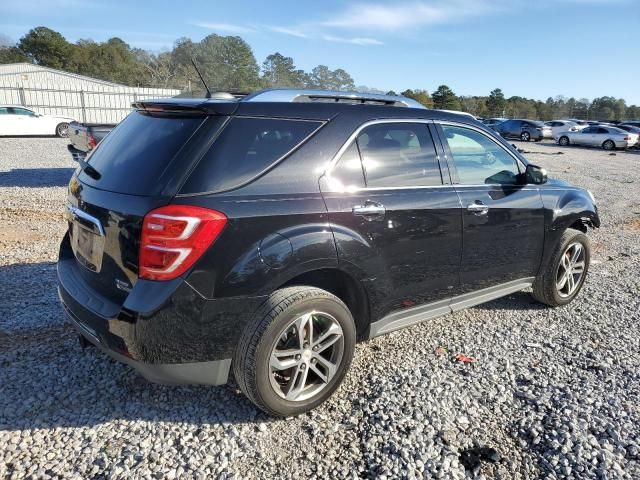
point(421, 96)
point(324, 78)
point(46, 47)
point(496, 103)
point(227, 63)
point(12, 55)
point(280, 71)
point(445, 99)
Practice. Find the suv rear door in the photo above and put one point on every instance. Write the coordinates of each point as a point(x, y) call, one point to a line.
point(396, 219)
point(503, 220)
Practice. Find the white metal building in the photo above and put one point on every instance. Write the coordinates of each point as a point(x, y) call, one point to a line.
point(50, 91)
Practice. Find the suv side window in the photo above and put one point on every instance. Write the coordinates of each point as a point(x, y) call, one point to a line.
point(399, 155)
point(478, 159)
point(246, 148)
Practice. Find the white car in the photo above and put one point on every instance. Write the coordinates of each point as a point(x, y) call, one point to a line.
point(17, 120)
point(559, 126)
point(603, 136)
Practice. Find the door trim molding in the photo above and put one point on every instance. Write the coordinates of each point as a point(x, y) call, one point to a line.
point(422, 313)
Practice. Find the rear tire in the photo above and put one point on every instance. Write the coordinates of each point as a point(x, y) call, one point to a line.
point(282, 362)
point(525, 136)
point(609, 145)
point(62, 130)
point(564, 141)
point(560, 281)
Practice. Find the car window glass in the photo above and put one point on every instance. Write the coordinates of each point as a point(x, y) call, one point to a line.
point(588, 130)
point(22, 111)
point(478, 159)
point(246, 148)
point(399, 155)
point(3, 111)
point(347, 174)
point(603, 130)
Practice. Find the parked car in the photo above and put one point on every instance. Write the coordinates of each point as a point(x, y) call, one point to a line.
point(580, 124)
point(632, 122)
point(631, 129)
point(558, 126)
point(16, 120)
point(267, 235)
point(606, 137)
point(84, 137)
point(492, 122)
point(525, 130)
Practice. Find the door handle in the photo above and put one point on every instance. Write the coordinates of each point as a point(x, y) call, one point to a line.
point(478, 208)
point(369, 210)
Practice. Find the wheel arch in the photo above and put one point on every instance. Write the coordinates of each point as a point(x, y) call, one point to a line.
point(344, 286)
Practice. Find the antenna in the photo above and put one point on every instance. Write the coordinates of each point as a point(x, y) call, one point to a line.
point(201, 79)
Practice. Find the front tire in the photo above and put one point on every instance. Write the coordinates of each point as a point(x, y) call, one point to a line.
point(561, 280)
point(525, 136)
point(62, 130)
point(295, 351)
point(609, 145)
point(564, 141)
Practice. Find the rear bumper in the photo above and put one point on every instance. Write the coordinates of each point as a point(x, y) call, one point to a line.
point(214, 372)
point(165, 330)
point(75, 153)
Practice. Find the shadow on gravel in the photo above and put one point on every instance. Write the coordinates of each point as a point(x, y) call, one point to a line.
point(47, 380)
point(515, 301)
point(36, 177)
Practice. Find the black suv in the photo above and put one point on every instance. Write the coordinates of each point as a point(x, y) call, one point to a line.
point(267, 235)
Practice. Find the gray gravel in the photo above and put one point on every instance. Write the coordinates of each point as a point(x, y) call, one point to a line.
point(556, 392)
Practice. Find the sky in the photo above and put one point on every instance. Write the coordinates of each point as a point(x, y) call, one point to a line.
point(532, 48)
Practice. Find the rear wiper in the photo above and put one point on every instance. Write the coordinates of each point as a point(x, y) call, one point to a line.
point(88, 169)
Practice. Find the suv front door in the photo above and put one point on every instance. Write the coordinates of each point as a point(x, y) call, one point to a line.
point(396, 222)
point(503, 220)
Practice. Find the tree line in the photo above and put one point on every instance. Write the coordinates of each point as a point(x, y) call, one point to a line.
point(227, 63)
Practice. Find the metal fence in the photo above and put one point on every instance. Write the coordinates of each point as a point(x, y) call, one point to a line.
point(97, 104)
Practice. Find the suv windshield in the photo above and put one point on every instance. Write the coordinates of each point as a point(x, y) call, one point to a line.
point(134, 155)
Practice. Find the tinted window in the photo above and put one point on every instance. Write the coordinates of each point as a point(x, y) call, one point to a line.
point(589, 130)
point(604, 130)
point(21, 111)
point(134, 155)
point(348, 174)
point(478, 159)
point(3, 111)
point(399, 155)
point(244, 149)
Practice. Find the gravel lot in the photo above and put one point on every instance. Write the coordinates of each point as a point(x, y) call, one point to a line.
point(556, 392)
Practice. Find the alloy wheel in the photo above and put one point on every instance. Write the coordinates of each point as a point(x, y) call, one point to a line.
point(570, 270)
point(306, 356)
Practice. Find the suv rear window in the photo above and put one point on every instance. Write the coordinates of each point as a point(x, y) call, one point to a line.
point(134, 155)
point(246, 148)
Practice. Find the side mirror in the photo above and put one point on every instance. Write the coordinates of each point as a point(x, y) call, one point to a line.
point(535, 175)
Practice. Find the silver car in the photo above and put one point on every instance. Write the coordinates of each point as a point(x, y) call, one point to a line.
point(606, 137)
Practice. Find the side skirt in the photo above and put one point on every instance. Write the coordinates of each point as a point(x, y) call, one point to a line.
point(411, 316)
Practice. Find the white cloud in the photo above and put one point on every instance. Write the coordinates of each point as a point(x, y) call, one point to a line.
point(294, 32)
point(408, 14)
point(224, 27)
point(363, 41)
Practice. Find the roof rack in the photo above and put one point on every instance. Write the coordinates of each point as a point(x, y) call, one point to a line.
point(330, 96)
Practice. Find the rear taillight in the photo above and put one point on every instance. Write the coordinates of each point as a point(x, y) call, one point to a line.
point(91, 142)
point(627, 138)
point(174, 237)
